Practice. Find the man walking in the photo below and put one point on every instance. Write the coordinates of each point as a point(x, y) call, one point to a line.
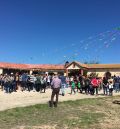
point(55, 85)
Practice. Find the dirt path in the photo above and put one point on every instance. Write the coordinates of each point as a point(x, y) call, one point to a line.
point(21, 99)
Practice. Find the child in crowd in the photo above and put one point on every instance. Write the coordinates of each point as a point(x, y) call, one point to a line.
point(78, 86)
point(110, 88)
point(73, 87)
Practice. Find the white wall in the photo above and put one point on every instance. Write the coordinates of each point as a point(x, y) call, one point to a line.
point(1, 71)
point(31, 72)
point(72, 66)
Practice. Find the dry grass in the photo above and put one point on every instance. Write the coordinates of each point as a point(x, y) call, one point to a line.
point(97, 113)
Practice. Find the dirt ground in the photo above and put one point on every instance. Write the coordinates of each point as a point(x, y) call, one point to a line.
point(22, 99)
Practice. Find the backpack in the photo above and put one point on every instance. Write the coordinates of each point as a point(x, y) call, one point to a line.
point(38, 81)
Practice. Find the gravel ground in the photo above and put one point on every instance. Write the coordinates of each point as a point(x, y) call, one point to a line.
point(21, 99)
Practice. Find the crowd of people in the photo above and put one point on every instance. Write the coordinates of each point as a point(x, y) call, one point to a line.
point(88, 85)
point(83, 84)
point(92, 85)
point(58, 83)
point(25, 82)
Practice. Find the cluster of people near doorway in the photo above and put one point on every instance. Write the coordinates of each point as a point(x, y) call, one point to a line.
point(92, 85)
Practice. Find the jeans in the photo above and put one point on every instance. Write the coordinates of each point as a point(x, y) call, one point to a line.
point(63, 89)
point(14, 86)
point(105, 90)
point(96, 90)
point(117, 87)
point(7, 87)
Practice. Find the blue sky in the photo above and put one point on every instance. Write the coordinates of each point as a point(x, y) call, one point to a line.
point(53, 31)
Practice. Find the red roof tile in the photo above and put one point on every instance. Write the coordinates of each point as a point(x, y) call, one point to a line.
point(30, 66)
point(54, 67)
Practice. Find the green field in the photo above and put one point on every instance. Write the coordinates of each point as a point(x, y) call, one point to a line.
point(99, 113)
